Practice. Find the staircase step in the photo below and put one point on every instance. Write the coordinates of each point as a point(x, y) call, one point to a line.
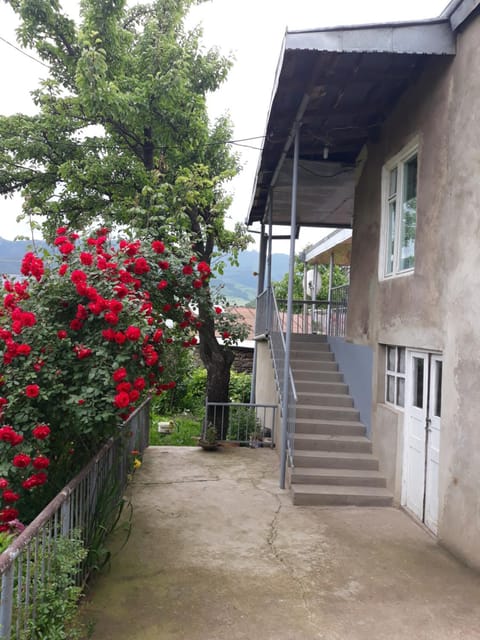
point(307, 494)
point(317, 386)
point(309, 354)
point(350, 477)
point(307, 347)
point(322, 442)
point(330, 427)
point(312, 365)
point(319, 376)
point(325, 399)
point(335, 460)
point(327, 413)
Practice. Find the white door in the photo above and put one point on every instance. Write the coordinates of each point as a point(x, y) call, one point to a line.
point(433, 444)
point(422, 436)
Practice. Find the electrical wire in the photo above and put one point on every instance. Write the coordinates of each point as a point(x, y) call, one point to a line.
point(23, 52)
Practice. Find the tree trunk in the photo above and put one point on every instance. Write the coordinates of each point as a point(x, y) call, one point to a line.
point(218, 360)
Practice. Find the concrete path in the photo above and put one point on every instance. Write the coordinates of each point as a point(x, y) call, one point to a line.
point(218, 552)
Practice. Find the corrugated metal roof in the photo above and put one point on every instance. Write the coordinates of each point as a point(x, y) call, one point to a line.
point(346, 81)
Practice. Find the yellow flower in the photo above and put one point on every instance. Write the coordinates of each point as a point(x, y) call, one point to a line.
point(137, 463)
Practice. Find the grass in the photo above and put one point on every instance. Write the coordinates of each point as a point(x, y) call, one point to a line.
point(186, 430)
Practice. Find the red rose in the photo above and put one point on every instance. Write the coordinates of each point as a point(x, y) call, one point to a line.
point(139, 384)
point(63, 269)
point(141, 266)
point(40, 462)
point(66, 248)
point(120, 374)
point(122, 400)
point(111, 318)
point(187, 270)
point(8, 514)
point(120, 338)
point(123, 386)
point(225, 335)
point(164, 265)
point(86, 258)
point(218, 310)
point(134, 395)
point(61, 231)
point(3, 483)
point(41, 431)
point(32, 390)
point(78, 276)
point(204, 268)
point(162, 284)
point(132, 333)
point(62, 334)
point(158, 246)
point(10, 496)
point(197, 284)
point(157, 336)
point(21, 460)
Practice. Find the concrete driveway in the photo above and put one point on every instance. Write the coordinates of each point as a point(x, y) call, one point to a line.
point(218, 552)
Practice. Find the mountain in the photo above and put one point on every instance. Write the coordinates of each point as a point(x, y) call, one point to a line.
point(238, 284)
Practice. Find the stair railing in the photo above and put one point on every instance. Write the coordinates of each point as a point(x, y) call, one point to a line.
point(289, 403)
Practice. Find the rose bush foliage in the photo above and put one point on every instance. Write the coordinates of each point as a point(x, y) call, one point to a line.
point(84, 337)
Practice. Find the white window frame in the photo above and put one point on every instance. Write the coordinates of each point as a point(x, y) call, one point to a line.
point(396, 374)
point(398, 161)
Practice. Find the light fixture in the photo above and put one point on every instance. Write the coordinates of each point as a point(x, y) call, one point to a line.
point(325, 152)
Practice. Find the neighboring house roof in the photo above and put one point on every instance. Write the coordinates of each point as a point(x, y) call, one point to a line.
point(338, 242)
point(340, 83)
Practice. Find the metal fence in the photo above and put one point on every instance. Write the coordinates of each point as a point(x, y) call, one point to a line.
point(317, 316)
point(242, 422)
point(26, 563)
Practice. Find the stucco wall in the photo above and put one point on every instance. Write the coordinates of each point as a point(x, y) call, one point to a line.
point(437, 308)
point(265, 387)
point(356, 363)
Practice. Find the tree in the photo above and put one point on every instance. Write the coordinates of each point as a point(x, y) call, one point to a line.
point(340, 278)
point(122, 136)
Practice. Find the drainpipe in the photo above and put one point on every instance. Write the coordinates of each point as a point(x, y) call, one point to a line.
point(260, 287)
point(288, 333)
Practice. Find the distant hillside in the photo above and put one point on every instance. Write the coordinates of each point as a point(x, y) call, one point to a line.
point(238, 284)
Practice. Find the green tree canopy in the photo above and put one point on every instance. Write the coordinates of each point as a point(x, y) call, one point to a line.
point(122, 135)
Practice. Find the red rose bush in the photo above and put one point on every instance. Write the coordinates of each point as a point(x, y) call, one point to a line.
point(84, 337)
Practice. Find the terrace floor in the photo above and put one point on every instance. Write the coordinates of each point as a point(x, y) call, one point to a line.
point(218, 552)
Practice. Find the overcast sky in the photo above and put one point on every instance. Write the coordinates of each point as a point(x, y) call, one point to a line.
point(252, 31)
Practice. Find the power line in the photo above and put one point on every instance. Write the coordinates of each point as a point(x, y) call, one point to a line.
point(10, 44)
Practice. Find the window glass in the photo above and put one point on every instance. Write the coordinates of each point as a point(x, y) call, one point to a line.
point(408, 223)
point(391, 353)
point(393, 182)
point(390, 257)
point(417, 382)
point(391, 389)
point(401, 392)
point(438, 390)
point(401, 359)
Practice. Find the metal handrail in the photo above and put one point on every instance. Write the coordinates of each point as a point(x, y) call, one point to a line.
point(73, 509)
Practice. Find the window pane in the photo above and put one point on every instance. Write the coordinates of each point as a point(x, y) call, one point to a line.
point(390, 245)
point(401, 360)
point(418, 382)
point(391, 389)
point(391, 351)
point(393, 182)
point(438, 390)
point(408, 222)
point(401, 392)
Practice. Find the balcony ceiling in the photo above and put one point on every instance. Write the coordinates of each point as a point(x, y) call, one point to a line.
point(350, 80)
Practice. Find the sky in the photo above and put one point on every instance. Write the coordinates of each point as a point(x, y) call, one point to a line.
point(249, 30)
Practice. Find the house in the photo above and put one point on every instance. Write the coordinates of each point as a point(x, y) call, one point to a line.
point(377, 128)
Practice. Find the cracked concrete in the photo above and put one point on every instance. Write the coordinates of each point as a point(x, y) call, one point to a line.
point(218, 552)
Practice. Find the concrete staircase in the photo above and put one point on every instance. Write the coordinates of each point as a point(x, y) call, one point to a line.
point(333, 461)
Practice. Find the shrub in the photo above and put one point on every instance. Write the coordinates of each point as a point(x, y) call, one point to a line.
point(84, 337)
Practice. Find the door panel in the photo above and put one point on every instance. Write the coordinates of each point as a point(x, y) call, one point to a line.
point(433, 444)
point(415, 419)
point(422, 436)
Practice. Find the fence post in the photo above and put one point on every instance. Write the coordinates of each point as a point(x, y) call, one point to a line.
point(6, 604)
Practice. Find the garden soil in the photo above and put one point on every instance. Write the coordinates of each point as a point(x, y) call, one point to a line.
point(218, 552)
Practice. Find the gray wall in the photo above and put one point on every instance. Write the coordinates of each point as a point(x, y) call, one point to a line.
point(437, 308)
point(356, 364)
